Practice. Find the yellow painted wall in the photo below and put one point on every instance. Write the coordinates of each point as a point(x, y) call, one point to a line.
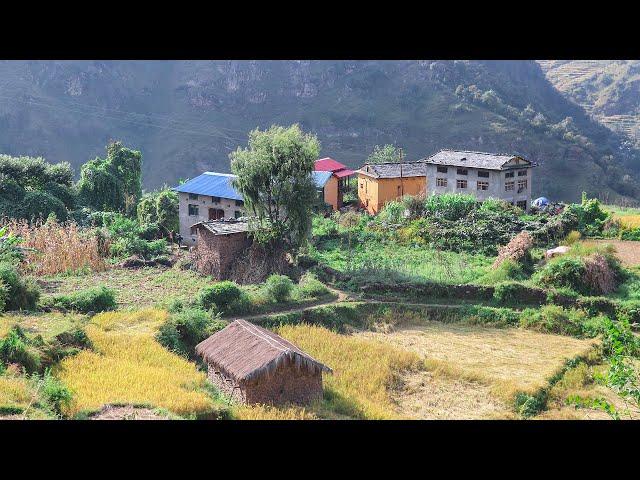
point(374, 193)
point(331, 192)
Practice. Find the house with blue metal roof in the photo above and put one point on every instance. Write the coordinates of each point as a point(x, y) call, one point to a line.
point(211, 196)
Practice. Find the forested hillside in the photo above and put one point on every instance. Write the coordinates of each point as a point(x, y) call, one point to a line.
point(187, 116)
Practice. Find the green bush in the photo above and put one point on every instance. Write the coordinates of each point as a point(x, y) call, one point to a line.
point(184, 330)
point(96, 299)
point(310, 287)
point(22, 294)
point(4, 296)
point(555, 319)
point(220, 295)
point(15, 348)
point(566, 272)
point(279, 287)
point(511, 292)
point(55, 393)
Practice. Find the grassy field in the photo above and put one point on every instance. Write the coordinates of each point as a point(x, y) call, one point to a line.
point(629, 217)
point(128, 366)
point(135, 288)
point(378, 261)
point(509, 360)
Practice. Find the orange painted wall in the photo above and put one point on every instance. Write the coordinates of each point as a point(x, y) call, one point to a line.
point(331, 192)
point(374, 193)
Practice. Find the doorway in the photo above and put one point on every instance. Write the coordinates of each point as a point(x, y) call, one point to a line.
point(216, 214)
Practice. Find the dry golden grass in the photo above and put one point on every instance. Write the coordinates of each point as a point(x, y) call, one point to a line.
point(59, 248)
point(364, 372)
point(508, 360)
point(266, 412)
point(629, 221)
point(14, 391)
point(128, 366)
point(46, 324)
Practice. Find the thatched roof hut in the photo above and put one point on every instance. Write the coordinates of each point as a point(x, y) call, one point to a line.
point(254, 365)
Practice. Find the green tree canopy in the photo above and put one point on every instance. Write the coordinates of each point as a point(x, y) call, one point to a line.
point(274, 178)
point(161, 207)
point(113, 183)
point(384, 154)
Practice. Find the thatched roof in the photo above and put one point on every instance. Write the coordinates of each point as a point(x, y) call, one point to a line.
point(245, 352)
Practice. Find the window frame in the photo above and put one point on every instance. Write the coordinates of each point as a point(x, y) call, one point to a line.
point(194, 196)
point(441, 182)
point(461, 183)
point(462, 171)
point(482, 186)
point(442, 169)
point(216, 199)
point(510, 174)
point(485, 174)
point(510, 186)
point(522, 173)
point(193, 208)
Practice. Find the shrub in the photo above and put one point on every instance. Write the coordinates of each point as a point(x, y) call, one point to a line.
point(55, 393)
point(184, 330)
point(220, 295)
point(511, 292)
point(96, 299)
point(310, 287)
point(279, 287)
point(572, 238)
point(565, 272)
point(15, 348)
point(4, 296)
point(22, 294)
point(555, 319)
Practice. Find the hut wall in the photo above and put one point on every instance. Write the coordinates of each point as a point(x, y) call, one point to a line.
point(214, 254)
point(285, 385)
point(226, 385)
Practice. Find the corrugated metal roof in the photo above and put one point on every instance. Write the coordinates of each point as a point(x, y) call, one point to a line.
point(328, 165)
point(211, 183)
point(464, 158)
point(393, 170)
point(321, 178)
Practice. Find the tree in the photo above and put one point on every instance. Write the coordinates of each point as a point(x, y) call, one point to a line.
point(113, 183)
point(274, 178)
point(385, 154)
point(161, 207)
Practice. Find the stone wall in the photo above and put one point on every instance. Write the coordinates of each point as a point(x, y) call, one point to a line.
point(215, 254)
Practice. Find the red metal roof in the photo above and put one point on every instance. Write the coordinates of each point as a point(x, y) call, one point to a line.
point(343, 173)
point(328, 165)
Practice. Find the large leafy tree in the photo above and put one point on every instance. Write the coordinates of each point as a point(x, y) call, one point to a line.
point(161, 207)
point(385, 154)
point(113, 183)
point(274, 178)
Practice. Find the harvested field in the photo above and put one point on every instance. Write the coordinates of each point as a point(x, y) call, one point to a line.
point(128, 412)
point(627, 251)
point(426, 396)
point(507, 360)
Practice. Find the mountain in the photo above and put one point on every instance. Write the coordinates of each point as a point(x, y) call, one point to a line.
point(609, 90)
point(186, 116)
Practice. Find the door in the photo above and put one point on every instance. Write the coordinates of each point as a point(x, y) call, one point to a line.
point(216, 214)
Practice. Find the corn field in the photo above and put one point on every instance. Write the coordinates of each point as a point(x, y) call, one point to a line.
point(53, 247)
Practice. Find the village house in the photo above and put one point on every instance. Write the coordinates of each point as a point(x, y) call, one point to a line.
point(253, 365)
point(337, 183)
point(217, 246)
point(209, 196)
point(484, 175)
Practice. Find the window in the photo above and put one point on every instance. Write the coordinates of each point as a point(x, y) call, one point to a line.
point(237, 214)
point(509, 186)
point(215, 199)
point(522, 173)
point(194, 230)
point(361, 185)
point(462, 171)
point(239, 203)
point(483, 174)
point(441, 182)
point(522, 204)
point(193, 196)
point(522, 185)
point(193, 210)
point(461, 183)
point(442, 169)
point(483, 185)
point(508, 175)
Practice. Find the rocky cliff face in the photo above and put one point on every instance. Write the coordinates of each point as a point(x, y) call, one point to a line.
point(187, 116)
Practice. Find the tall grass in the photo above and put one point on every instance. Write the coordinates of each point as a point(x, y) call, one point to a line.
point(59, 248)
point(364, 371)
point(129, 366)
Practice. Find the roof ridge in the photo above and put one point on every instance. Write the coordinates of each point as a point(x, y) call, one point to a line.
point(259, 334)
point(218, 173)
point(476, 152)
